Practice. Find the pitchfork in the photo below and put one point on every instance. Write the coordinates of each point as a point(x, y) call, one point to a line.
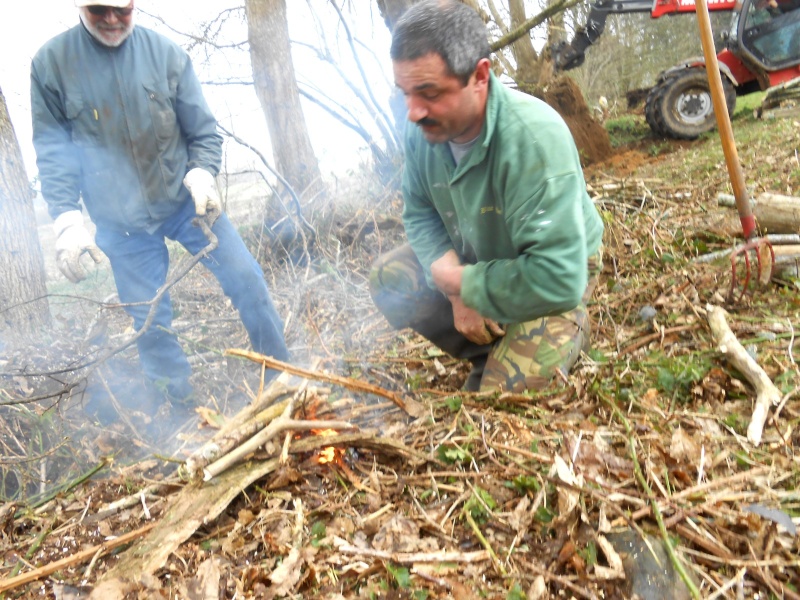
point(761, 246)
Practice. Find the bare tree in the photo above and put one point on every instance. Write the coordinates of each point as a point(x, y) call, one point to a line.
point(23, 295)
point(277, 91)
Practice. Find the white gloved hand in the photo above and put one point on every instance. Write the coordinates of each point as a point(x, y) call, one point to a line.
point(203, 187)
point(72, 240)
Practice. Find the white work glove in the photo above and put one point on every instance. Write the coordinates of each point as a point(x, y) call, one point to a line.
point(72, 240)
point(203, 187)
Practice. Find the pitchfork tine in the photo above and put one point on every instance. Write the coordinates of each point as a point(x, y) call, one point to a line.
point(756, 244)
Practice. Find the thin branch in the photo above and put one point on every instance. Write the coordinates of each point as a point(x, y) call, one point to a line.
point(496, 17)
point(385, 119)
point(538, 19)
point(180, 273)
point(351, 124)
point(280, 178)
point(376, 150)
point(203, 39)
point(409, 405)
point(376, 114)
point(79, 557)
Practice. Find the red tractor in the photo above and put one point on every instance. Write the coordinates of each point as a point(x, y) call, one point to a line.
point(761, 50)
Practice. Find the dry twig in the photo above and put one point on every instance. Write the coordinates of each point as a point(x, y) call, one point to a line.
point(766, 393)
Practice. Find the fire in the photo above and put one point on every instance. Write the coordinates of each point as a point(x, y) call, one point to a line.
point(328, 454)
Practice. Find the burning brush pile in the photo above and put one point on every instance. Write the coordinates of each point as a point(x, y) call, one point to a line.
point(338, 493)
point(663, 466)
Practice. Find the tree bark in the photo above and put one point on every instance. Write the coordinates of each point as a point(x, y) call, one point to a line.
point(23, 295)
point(528, 63)
point(278, 93)
point(774, 213)
point(392, 9)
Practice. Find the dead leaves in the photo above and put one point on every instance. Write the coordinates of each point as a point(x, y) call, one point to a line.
point(400, 534)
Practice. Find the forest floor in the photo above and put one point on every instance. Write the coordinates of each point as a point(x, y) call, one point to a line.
point(640, 456)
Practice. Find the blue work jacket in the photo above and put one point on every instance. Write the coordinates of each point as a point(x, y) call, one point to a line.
point(119, 127)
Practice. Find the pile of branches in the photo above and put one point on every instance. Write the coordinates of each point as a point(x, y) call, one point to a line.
point(391, 482)
point(522, 493)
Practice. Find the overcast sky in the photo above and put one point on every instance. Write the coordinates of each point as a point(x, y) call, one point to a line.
point(25, 26)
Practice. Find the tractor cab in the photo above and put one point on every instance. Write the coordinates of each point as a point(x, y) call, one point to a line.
point(769, 33)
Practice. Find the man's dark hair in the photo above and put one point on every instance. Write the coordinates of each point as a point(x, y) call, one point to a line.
point(448, 28)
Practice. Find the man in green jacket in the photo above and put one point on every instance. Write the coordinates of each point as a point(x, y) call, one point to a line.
point(504, 241)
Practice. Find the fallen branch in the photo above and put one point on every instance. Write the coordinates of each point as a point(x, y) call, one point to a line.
point(766, 392)
point(698, 491)
point(727, 557)
point(243, 425)
point(282, 423)
point(228, 439)
point(197, 505)
point(656, 336)
point(79, 557)
point(406, 558)
point(412, 407)
point(775, 240)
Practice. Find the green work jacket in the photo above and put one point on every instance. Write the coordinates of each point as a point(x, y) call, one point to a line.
point(515, 209)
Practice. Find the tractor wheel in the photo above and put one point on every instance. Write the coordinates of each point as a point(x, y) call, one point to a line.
point(681, 107)
point(650, 112)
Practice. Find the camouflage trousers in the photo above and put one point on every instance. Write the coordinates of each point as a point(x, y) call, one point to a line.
point(527, 357)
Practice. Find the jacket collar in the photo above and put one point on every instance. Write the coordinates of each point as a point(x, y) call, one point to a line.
point(478, 152)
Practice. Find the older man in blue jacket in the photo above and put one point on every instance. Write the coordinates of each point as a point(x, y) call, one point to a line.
point(119, 121)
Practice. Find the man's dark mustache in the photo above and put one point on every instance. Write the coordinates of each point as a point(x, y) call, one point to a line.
point(426, 121)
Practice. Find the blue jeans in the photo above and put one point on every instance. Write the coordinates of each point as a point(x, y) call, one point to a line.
point(140, 262)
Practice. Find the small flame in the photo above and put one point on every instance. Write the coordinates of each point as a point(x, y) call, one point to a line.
point(328, 454)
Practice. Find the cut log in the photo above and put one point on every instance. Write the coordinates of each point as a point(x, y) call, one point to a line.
point(766, 392)
point(787, 262)
point(780, 100)
point(774, 213)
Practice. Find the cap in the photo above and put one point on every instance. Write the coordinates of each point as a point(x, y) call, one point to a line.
point(114, 3)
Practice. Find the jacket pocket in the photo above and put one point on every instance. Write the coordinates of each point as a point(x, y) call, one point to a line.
point(83, 120)
point(162, 113)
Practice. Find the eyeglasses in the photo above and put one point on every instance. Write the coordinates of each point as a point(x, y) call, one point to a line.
point(101, 11)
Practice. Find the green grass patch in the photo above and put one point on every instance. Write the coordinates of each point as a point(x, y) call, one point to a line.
point(626, 129)
point(745, 105)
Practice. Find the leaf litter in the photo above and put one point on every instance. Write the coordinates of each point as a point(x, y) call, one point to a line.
point(480, 495)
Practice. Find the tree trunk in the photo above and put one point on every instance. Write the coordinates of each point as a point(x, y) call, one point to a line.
point(23, 295)
point(534, 75)
point(276, 87)
point(528, 63)
point(392, 9)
